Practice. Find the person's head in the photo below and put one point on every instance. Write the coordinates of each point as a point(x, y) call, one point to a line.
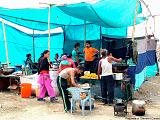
point(69, 56)
point(80, 69)
point(28, 55)
point(64, 57)
point(46, 54)
point(88, 44)
point(104, 52)
point(77, 45)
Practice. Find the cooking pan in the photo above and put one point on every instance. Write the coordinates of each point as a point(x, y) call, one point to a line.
point(119, 67)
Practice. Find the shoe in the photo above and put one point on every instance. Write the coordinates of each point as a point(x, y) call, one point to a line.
point(53, 99)
point(40, 99)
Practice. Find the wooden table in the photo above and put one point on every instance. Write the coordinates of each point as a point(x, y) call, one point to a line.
point(8, 80)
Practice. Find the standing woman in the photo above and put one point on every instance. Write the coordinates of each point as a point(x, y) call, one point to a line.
point(44, 78)
point(107, 81)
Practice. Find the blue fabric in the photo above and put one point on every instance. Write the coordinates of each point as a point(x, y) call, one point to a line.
point(120, 32)
point(148, 71)
point(151, 70)
point(140, 79)
point(115, 14)
point(131, 73)
point(20, 44)
point(37, 19)
point(145, 59)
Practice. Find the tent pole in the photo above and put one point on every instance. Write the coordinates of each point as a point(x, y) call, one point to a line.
point(84, 33)
point(33, 48)
point(154, 24)
point(134, 22)
point(64, 36)
point(49, 35)
point(101, 36)
point(5, 42)
point(133, 32)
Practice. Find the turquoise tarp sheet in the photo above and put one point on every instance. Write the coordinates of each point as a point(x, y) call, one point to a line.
point(105, 13)
point(20, 44)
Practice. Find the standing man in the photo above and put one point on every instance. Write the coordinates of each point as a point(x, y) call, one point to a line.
point(89, 56)
point(75, 56)
point(106, 80)
point(62, 83)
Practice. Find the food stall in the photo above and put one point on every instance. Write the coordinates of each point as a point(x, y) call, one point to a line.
point(122, 83)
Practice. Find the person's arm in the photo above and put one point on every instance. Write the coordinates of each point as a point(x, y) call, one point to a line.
point(95, 51)
point(99, 70)
point(72, 74)
point(115, 59)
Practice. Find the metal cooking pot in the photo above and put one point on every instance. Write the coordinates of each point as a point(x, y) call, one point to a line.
point(138, 107)
point(8, 70)
point(118, 76)
point(119, 67)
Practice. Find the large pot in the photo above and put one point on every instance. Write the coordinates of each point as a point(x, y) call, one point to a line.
point(119, 67)
point(4, 65)
point(138, 107)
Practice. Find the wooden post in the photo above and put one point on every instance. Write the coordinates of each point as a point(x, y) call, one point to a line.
point(49, 35)
point(154, 24)
point(33, 48)
point(133, 31)
point(5, 42)
point(84, 33)
point(134, 22)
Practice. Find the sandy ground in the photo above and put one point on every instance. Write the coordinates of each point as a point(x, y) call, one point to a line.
point(13, 107)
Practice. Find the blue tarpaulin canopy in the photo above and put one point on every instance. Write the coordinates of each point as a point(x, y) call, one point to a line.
point(105, 13)
point(104, 17)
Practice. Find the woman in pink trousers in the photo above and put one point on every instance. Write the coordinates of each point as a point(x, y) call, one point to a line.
point(44, 78)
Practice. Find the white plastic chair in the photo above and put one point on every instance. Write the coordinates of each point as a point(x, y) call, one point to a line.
point(75, 92)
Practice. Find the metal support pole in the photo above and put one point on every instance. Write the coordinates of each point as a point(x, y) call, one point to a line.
point(5, 42)
point(33, 47)
point(49, 35)
point(84, 33)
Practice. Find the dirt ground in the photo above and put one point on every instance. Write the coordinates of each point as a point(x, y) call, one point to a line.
point(13, 107)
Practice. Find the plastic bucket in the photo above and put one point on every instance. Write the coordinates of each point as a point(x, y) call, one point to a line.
point(26, 90)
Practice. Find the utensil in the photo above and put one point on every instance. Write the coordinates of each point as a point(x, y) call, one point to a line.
point(138, 107)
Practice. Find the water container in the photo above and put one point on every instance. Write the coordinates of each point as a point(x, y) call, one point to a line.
point(26, 90)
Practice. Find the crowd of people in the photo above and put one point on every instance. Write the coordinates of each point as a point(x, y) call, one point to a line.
point(70, 67)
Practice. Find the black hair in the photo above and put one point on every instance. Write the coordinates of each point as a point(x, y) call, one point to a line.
point(56, 54)
point(76, 45)
point(45, 52)
point(69, 56)
point(42, 55)
point(28, 55)
point(89, 42)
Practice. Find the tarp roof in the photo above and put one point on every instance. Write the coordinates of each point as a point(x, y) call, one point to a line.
point(106, 13)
